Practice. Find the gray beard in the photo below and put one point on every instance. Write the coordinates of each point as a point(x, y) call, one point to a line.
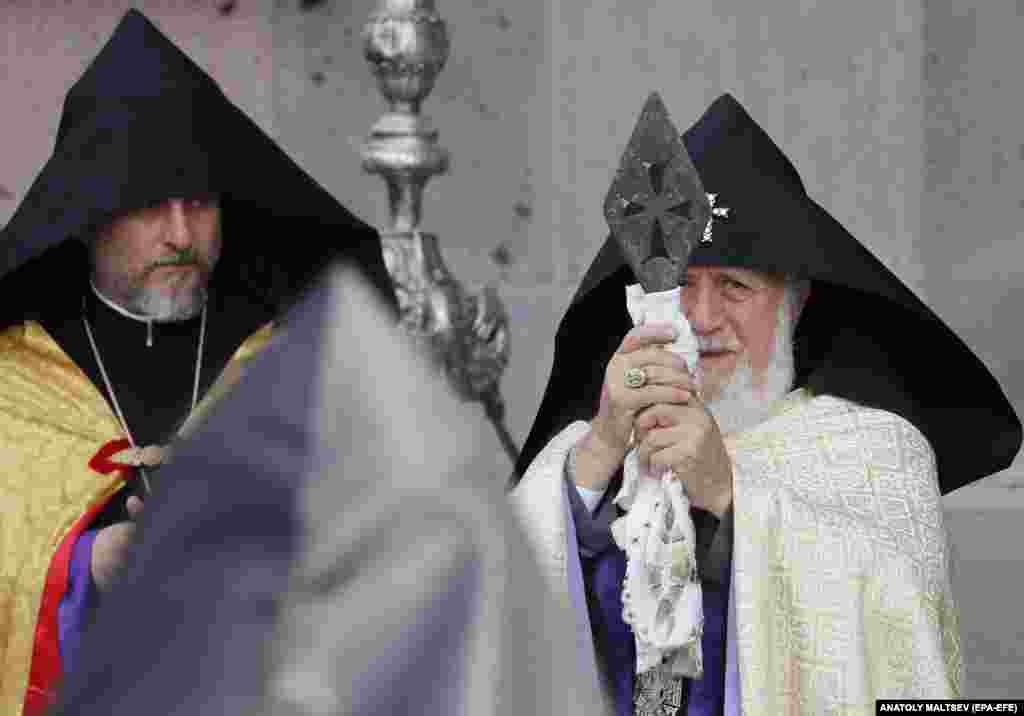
point(745, 401)
point(158, 306)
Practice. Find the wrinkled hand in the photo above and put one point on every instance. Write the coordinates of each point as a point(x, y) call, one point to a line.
point(603, 449)
point(111, 547)
point(686, 439)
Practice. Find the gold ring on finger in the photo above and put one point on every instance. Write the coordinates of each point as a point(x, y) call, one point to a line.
point(636, 378)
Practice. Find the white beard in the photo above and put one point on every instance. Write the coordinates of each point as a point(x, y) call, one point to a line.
point(744, 401)
point(161, 307)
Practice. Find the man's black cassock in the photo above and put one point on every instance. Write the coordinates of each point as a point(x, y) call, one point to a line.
point(142, 124)
point(326, 543)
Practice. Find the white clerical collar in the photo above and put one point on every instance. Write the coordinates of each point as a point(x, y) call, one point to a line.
point(111, 304)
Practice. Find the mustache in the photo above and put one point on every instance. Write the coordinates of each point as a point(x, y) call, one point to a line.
point(717, 343)
point(182, 257)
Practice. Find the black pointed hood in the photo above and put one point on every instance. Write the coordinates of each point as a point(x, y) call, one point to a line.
point(145, 123)
point(863, 335)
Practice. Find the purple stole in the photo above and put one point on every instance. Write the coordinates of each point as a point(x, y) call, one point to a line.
point(603, 575)
point(78, 601)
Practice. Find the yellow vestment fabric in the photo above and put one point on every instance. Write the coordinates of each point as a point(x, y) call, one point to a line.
point(841, 563)
point(53, 421)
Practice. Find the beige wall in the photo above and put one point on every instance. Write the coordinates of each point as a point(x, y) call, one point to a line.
point(45, 45)
point(972, 208)
point(902, 117)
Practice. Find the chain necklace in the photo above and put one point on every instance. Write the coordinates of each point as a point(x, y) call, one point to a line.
point(110, 386)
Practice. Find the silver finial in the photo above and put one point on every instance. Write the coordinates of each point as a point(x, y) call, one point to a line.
point(406, 45)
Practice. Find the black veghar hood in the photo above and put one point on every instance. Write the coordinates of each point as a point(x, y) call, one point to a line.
point(145, 123)
point(863, 335)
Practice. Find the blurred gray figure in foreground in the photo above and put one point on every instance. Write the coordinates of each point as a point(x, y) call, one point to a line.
point(328, 545)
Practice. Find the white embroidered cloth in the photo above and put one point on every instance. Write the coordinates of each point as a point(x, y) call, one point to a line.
point(661, 595)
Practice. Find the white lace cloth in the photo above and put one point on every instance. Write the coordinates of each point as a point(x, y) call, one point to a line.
point(661, 595)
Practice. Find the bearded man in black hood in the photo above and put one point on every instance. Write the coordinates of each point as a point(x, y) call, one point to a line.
point(805, 569)
point(146, 263)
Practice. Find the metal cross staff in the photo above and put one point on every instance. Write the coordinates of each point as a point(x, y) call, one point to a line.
point(657, 210)
point(656, 207)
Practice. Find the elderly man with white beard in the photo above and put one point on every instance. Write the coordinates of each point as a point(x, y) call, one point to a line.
point(743, 321)
point(810, 443)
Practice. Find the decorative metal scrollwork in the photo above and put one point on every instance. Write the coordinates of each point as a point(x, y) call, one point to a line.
point(466, 333)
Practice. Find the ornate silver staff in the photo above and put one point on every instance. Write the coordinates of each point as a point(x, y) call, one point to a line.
point(658, 210)
point(406, 44)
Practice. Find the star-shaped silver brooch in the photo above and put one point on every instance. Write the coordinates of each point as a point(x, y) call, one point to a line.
point(720, 212)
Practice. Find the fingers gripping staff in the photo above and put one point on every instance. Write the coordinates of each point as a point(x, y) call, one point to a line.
point(657, 211)
point(662, 594)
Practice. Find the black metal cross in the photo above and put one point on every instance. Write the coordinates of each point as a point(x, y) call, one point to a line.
point(656, 206)
point(661, 204)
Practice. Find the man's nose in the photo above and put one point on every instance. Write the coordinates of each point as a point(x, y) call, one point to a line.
point(702, 306)
point(178, 234)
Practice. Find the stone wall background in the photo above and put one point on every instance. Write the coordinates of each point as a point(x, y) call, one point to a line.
point(902, 117)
